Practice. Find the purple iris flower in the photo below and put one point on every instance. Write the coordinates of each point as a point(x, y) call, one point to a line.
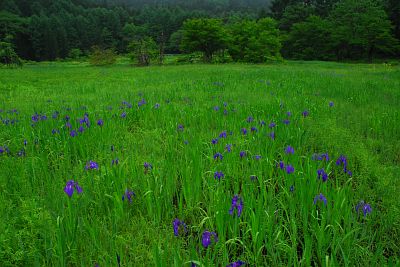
point(244, 131)
point(208, 238)
point(141, 102)
point(35, 118)
point(289, 150)
point(71, 186)
point(218, 175)
point(253, 177)
point(289, 169)
point(115, 162)
point(236, 264)
point(364, 207)
point(289, 113)
point(128, 195)
point(123, 115)
point(305, 113)
point(281, 165)
point(237, 203)
point(272, 125)
point(181, 127)
point(342, 160)
point(257, 157)
point(156, 106)
point(100, 122)
point(223, 134)
point(254, 129)
point(73, 133)
point(177, 224)
point(250, 119)
point(242, 154)
point(147, 166)
point(81, 129)
point(320, 197)
point(218, 156)
point(216, 108)
point(228, 147)
point(322, 174)
point(262, 123)
point(55, 131)
point(272, 135)
point(330, 104)
point(92, 165)
point(286, 122)
point(214, 141)
point(68, 125)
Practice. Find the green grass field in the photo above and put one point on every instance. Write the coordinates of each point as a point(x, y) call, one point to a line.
point(46, 140)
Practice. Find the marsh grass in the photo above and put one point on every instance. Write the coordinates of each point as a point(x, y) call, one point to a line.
point(280, 225)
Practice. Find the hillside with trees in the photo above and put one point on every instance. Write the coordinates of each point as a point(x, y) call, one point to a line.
point(250, 31)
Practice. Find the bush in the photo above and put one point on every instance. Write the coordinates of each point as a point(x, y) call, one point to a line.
point(8, 56)
point(75, 53)
point(102, 57)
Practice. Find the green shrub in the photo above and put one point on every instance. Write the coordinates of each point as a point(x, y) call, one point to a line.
point(102, 57)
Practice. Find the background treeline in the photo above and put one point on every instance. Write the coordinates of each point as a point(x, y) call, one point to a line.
point(239, 30)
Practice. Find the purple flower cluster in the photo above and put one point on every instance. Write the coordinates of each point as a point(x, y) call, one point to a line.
point(289, 150)
point(223, 134)
point(92, 165)
point(320, 198)
point(128, 195)
point(322, 174)
point(209, 238)
point(342, 161)
point(288, 168)
point(142, 102)
point(177, 225)
point(71, 186)
point(237, 203)
point(218, 175)
point(147, 167)
point(364, 207)
point(218, 156)
point(236, 264)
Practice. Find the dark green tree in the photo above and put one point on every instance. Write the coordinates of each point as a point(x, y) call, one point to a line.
point(255, 41)
point(310, 40)
point(361, 28)
point(295, 13)
point(204, 35)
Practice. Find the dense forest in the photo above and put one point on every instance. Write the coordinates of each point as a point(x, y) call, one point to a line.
point(252, 31)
